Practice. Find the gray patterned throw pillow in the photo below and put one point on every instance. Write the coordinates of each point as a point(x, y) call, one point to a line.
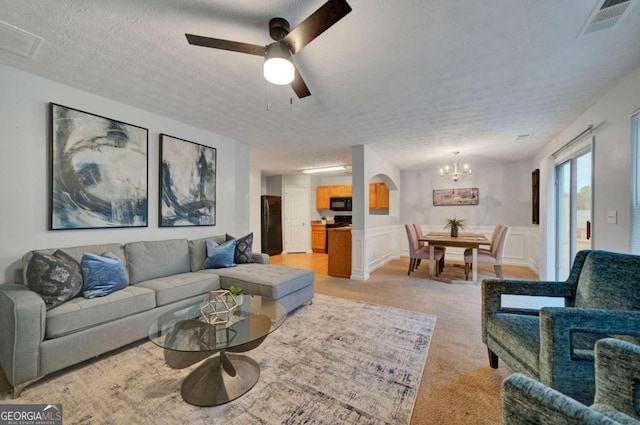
point(243, 252)
point(56, 278)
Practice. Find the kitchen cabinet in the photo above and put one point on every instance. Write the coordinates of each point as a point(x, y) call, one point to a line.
point(323, 193)
point(318, 237)
point(339, 246)
point(378, 196)
point(340, 190)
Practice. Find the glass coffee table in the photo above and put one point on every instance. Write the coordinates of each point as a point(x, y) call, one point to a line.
point(188, 339)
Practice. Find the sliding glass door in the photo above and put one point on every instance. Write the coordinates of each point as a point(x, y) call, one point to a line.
point(573, 210)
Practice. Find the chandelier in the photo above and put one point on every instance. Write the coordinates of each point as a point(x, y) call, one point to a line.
point(455, 171)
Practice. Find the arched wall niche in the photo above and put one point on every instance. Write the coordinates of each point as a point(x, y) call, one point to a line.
point(393, 196)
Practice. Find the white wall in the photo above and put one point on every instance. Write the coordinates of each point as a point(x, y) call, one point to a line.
point(375, 238)
point(24, 170)
point(255, 207)
point(504, 190)
point(612, 160)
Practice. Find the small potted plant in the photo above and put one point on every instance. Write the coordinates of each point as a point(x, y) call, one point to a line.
point(323, 220)
point(454, 224)
point(237, 293)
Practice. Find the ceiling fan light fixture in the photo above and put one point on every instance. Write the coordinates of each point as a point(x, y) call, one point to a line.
point(278, 67)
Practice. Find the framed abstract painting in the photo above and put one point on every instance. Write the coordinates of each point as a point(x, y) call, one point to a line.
point(99, 171)
point(187, 183)
point(453, 197)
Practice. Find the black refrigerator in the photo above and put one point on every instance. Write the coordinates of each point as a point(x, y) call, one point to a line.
point(271, 224)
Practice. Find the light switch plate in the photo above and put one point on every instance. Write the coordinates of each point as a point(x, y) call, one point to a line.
point(612, 217)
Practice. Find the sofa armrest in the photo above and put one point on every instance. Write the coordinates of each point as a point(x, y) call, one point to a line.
point(260, 258)
point(525, 400)
point(22, 326)
point(617, 375)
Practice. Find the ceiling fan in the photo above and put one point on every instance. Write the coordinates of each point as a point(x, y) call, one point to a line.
point(278, 63)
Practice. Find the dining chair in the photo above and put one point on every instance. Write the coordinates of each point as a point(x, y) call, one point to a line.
point(416, 253)
point(493, 255)
point(421, 244)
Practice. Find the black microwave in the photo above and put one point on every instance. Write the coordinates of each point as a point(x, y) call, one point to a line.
point(340, 204)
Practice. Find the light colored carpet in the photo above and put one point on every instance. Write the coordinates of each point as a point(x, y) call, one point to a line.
point(333, 362)
point(458, 386)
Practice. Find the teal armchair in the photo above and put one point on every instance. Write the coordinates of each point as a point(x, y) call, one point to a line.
point(526, 401)
point(555, 345)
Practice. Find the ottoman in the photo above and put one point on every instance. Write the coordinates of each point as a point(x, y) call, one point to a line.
point(290, 286)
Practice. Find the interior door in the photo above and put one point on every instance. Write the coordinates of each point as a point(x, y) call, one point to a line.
point(573, 210)
point(297, 232)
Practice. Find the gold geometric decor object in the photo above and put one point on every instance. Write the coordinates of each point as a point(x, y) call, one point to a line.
point(218, 307)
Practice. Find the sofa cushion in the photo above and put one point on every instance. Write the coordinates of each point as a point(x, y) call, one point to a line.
point(77, 252)
point(198, 250)
point(609, 281)
point(244, 247)
point(220, 256)
point(102, 275)
point(56, 278)
point(264, 279)
point(154, 259)
point(170, 289)
point(81, 313)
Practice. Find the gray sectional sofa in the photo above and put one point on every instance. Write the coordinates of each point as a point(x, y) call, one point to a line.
point(162, 276)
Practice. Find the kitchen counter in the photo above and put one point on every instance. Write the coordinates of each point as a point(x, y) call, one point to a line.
point(340, 229)
point(318, 222)
point(339, 249)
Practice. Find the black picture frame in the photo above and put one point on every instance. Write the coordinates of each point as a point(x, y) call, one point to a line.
point(187, 183)
point(535, 196)
point(99, 172)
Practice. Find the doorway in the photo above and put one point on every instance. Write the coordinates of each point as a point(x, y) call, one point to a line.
point(297, 232)
point(574, 190)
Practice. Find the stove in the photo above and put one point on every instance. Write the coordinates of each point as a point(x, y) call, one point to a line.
point(340, 221)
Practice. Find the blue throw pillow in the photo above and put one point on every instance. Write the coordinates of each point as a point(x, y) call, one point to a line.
point(102, 274)
point(220, 255)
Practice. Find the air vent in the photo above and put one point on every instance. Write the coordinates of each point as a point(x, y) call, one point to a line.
point(605, 14)
point(523, 137)
point(18, 41)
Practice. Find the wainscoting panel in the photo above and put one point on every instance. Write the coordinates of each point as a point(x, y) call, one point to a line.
point(517, 249)
point(373, 248)
point(358, 271)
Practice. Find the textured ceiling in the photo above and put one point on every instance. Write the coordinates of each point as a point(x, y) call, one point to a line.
point(413, 79)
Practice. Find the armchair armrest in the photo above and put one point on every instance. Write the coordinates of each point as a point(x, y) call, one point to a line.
point(22, 326)
point(526, 400)
point(493, 289)
point(617, 375)
point(557, 361)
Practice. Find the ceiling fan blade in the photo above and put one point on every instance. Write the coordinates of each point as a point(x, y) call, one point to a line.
point(299, 87)
point(317, 23)
point(233, 46)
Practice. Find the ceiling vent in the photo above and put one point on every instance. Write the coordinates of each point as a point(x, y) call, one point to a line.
point(606, 14)
point(18, 41)
point(522, 137)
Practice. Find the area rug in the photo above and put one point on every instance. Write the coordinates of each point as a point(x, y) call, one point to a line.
point(332, 362)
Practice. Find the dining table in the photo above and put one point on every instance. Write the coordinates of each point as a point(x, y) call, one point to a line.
point(463, 240)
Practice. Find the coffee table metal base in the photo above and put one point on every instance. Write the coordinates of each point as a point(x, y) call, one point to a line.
point(216, 382)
